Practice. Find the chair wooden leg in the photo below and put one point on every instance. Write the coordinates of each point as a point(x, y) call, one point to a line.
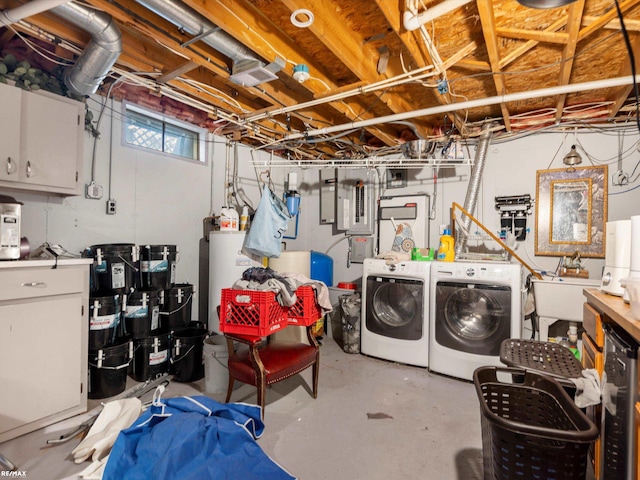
point(229, 389)
point(262, 394)
point(316, 374)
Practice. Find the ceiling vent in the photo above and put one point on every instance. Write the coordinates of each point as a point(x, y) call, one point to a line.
point(250, 73)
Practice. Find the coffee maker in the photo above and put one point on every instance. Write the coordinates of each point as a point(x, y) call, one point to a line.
point(10, 211)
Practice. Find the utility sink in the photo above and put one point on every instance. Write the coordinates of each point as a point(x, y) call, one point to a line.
point(561, 298)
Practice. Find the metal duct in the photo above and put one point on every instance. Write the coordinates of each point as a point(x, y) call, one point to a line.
point(101, 52)
point(193, 23)
point(474, 186)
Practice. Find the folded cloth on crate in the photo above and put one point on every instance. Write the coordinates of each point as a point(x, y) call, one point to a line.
point(193, 438)
point(392, 258)
point(588, 389)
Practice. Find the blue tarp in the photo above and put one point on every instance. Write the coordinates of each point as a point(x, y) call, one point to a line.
point(195, 438)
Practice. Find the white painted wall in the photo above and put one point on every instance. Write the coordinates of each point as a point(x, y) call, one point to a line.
point(163, 200)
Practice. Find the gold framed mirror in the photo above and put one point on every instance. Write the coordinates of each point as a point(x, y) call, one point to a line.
point(571, 211)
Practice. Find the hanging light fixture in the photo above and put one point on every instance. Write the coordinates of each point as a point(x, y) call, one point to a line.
point(545, 3)
point(572, 158)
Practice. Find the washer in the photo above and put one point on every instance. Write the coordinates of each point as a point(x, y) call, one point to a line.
point(395, 311)
point(474, 307)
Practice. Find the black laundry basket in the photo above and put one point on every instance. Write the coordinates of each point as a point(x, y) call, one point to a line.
point(531, 428)
point(541, 357)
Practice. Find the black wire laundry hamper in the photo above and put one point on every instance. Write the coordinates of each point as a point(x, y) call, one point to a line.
point(531, 428)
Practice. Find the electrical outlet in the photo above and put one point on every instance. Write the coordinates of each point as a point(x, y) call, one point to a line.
point(111, 207)
point(94, 191)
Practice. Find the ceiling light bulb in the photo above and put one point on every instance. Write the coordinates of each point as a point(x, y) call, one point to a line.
point(301, 72)
point(572, 158)
point(545, 3)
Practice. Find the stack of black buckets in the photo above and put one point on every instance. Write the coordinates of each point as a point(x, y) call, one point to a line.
point(139, 319)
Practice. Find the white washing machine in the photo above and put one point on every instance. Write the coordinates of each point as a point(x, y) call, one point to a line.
point(395, 311)
point(474, 307)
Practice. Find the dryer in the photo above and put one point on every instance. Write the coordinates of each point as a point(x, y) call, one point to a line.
point(395, 311)
point(474, 307)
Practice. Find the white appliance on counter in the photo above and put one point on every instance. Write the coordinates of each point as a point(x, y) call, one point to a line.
point(634, 262)
point(617, 257)
point(226, 264)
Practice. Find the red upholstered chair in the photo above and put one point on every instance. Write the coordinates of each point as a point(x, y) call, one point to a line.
point(268, 362)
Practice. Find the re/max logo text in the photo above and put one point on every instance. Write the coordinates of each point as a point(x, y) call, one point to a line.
point(13, 474)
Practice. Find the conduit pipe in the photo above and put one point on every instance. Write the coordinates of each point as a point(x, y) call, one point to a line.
point(401, 79)
point(13, 15)
point(412, 21)
point(481, 102)
point(102, 51)
point(474, 185)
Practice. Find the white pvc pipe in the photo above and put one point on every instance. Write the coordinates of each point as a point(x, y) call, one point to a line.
point(412, 21)
point(481, 102)
point(13, 15)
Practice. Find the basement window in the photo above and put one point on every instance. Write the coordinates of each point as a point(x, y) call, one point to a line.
point(166, 135)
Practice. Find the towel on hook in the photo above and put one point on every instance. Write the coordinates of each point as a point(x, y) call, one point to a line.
point(588, 389)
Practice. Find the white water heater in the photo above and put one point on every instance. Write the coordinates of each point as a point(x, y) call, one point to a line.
point(226, 264)
point(617, 260)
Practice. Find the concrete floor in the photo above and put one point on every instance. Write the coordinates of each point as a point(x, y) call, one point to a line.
point(373, 419)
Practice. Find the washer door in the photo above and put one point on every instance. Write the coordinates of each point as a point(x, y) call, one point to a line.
point(472, 318)
point(395, 307)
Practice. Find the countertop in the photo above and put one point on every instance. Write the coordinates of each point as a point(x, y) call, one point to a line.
point(44, 263)
point(616, 309)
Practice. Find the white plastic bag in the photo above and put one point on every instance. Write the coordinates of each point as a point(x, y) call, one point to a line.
point(268, 226)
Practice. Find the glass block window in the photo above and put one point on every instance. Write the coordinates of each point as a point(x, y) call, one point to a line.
point(156, 132)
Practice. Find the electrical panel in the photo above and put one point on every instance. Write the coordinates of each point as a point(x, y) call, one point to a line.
point(328, 182)
point(355, 202)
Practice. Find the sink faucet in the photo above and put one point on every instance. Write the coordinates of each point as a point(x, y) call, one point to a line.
point(574, 261)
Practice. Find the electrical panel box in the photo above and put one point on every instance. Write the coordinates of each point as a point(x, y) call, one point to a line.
point(355, 203)
point(328, 183)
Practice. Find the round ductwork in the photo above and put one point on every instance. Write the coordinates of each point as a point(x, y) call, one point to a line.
point(417, 149)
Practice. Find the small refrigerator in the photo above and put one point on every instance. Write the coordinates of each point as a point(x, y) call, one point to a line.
point(619, 396)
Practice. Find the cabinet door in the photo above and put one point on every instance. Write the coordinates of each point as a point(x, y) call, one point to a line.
point(49, 142)
point(10, 99)
point(40, 366)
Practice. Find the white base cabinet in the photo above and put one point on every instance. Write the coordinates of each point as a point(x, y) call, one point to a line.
point(43, 343)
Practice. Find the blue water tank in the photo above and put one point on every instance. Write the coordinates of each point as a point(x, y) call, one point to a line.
point(322, 268)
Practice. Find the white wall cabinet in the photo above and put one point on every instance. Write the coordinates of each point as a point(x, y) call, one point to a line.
point(43, 343)
point(41, 138)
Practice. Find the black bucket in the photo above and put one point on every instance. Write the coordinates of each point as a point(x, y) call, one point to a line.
point(113, 269)
point(187, 362)
point(157, 266)
point(105, 314)
point(150, 358)
point(108, 370)
point(142, 314)
point(176, 310)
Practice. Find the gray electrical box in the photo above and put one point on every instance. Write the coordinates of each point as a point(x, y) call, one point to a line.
point(361, 248)
point(355, 203)
point(328, 183)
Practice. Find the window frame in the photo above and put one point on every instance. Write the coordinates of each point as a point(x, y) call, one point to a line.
point(202, 133)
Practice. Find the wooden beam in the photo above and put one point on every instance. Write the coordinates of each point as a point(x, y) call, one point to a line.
point(566, 64)
point(621, 94)
point(541, 36)
point(267, 40)
point(182, 69)
point(630, 24)
point(605, 18)
point(530, 44)
point(487, 18)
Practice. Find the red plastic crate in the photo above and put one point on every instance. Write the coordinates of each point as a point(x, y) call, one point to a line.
point(251, 312)
point(305, 311)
